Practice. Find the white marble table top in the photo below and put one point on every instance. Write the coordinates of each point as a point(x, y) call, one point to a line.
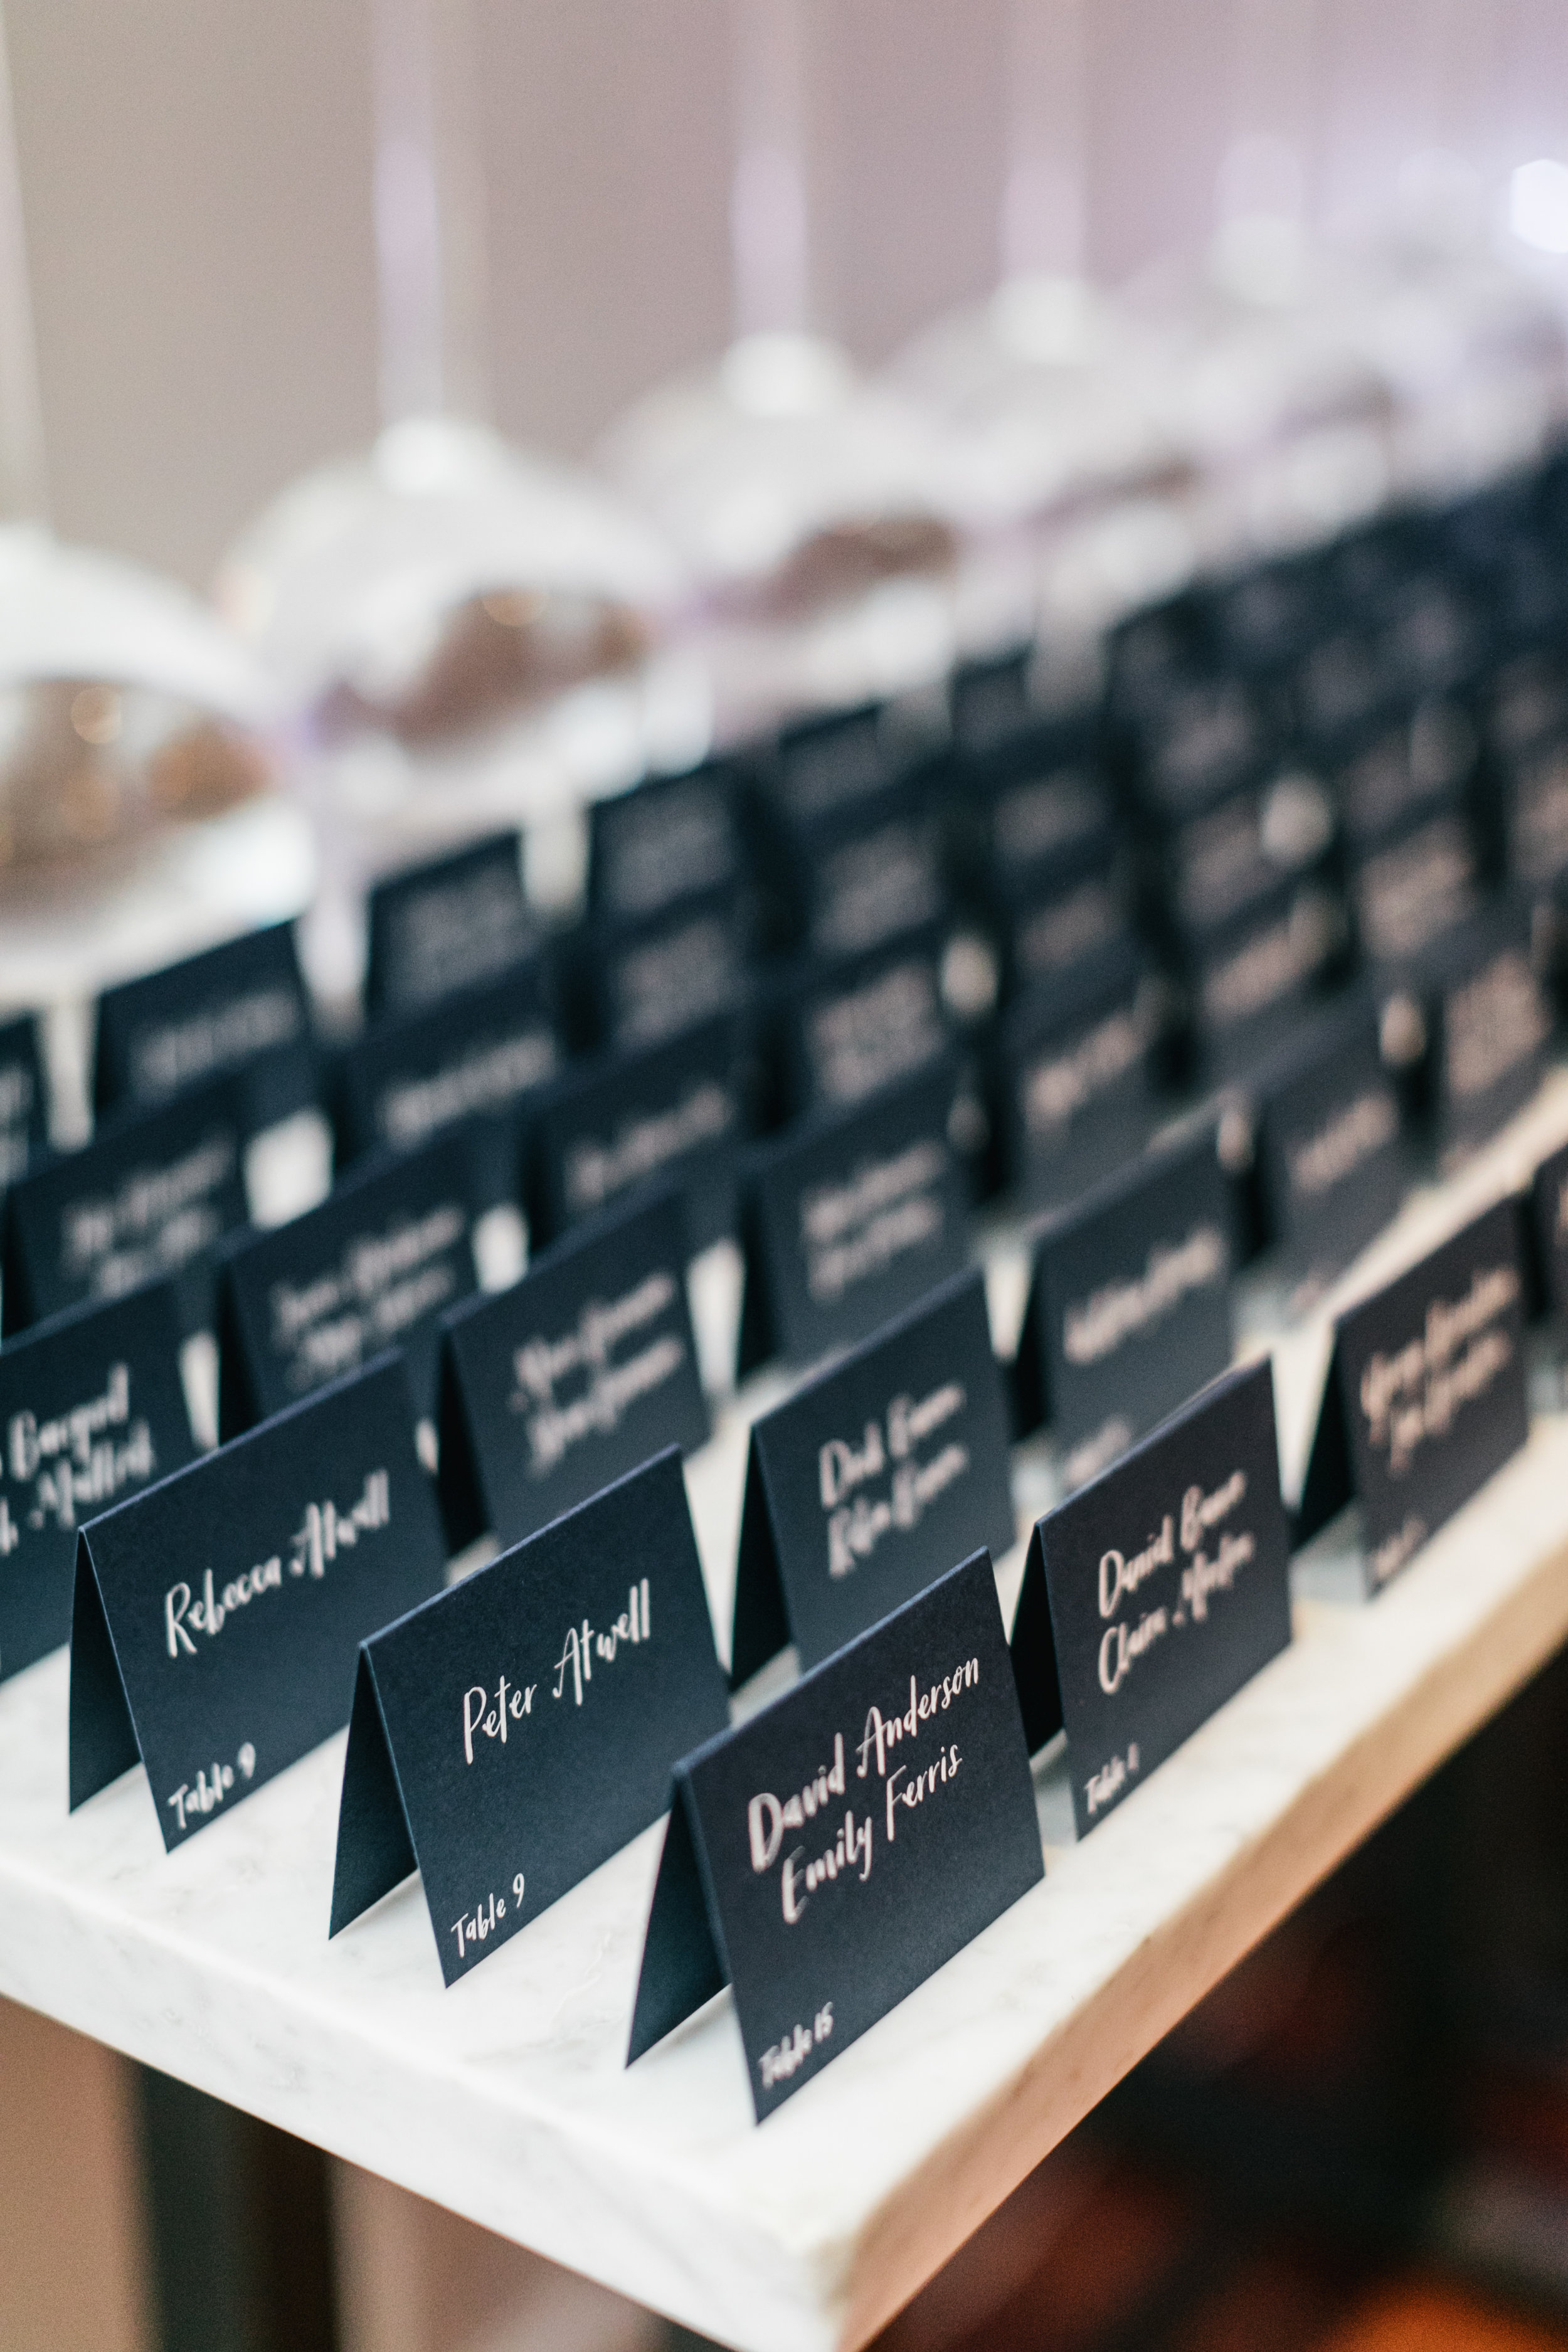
point(506, 2098)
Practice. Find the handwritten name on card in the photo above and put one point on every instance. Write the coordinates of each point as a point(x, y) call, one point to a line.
point(480, 1052)
point(24, 1107)
point(517, 1730)
point(829, 1854)
point(238, 1007)
point(1329, 1151)
point(216, 1616)
point(1154, 1593)
point(446, 925)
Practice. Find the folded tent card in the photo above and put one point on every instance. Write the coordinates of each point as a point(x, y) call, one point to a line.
point(1329, 1153)
point(827, 1856)
point(24, 1099)
point(240, 1008)
point(1153, 1594)
point(872, 1479)
point(521, 1727)
point(92, 1409)
point(1129, 1309)
point(583, 1369)
point(446, 924)
point(1426, 1395)
point(479, 1052)
point(217, 1615)
point(370, 1267)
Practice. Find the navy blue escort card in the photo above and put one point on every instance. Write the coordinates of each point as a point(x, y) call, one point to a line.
point(858, 1025)
point(1154, 1592)
point(1329, 1157)
point(1490, 1024)
point(517, 1730)
point(670, 839)
point(216, 1616)
point(871, 881)
point(1074, 1077)
point(848, 1217)
point(372, 1266)
point(1549, 1236)
point(92, 1408)
point(675, 1111)
point(870, 1480)
point(825, 1858)
point(150, 1195)
point(446, 924)
point(667, 975)
point(581, 1370)
point(480, 1052)
point(1426, 1394)
point(238, 1007)
point(1129, 1310)
point(1251, 985)
point(24, 1105)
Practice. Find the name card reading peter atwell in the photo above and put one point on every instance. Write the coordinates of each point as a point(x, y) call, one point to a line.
point(372, 1266)
point(871, 1480)
point(849, 1218)
point(829, 1855)
point(511, 1735)
point(92, 1408)
point(1154, 1593)
point(1128, 1311)
point(1426, 1394)
point(217, 1615)
point(583, 1369)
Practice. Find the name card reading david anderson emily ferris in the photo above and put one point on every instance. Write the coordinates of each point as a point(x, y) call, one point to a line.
point(1128, 1311)
point(829, 1855)
point(871, 1480)
point(520, 1728)
point(849, 1218)
point(1426, 1394)
point(92, 1408)
point(216, 1616)
point(1154, 1593)
point(583, 1369)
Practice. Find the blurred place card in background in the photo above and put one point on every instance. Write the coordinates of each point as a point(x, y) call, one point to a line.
point(651, 983)
point(1549, 1236)
point(1128, 1311)
point(1153, 1594)
point(1329, 1163)
point(480, 1053)
point(1073, 1080)
point(446, 924)
point(871, 1480)
point(216, 1616)
point(522, 1727)
point(1490, 1023)
point(854, 1026)
point(829, 1855)
point(670, 839)
point(1425, 1393)
point(372, 1266)
point(24, 1102)
point(849, 1218)
point(580, 1372)
point(150, 1195)
point(91, 1409)
point(239, 1008)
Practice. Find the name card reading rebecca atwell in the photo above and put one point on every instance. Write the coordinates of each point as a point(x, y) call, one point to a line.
point(446, 924)
point(1426, 1394)
point(1154, 1593)
point(371, 1267)
point(520, 1728)
point(217, 1615)
point(149, 1196)
point(849, 1218)
point(871, 1480)
point(583, 1369)
point(238, 1007)
point(91, 1408)
point(1129, 1313)
point(829, 1854)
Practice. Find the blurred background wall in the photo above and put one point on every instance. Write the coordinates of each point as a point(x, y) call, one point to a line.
point(196, 183)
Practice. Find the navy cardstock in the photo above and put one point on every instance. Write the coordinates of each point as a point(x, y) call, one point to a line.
point(216, 1616)
point(446, 924)
point(240, 1007)
point(517, 1730)
point(854, 1026)
point(1073, 1079)
point(1153, 1594)
point(1129, 1310)
point(1329, 1161)
point(825, 1858)
point(1425, 1393)
point(669, 974)
point(849, 1218)
point(670, 839)
point(1549, 1234)
point(480, 1053)
point(579, 1372)
point(870, 1480)
point(149, 1196)
point(92, 1408)
point(1491, 1025)
point(24, 1115)
point(373, 1265)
